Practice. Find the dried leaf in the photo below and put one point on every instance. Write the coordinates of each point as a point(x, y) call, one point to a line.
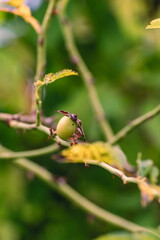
point(24, 12)
point(154, 24)
point(38, 83)
point(148, 192)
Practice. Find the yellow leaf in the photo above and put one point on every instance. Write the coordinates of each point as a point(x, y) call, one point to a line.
point(154, 24)
point(97, 151)
point(24, 12)
point(38, 83)
point(51, 77)
point(15, 3)
point(148, 192)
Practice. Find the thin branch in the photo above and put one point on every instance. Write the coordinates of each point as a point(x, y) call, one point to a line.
point(133, 124)
point(120, 174)
point(25, 126)
point(31, 126)
point(41, 44)
point(60, 186)
point(30, 153)
point(86, 74)
point(143, 183)
point(49, 121)
point(38, 104)
point(64, 189)
point(114, 171)
point(41, 54)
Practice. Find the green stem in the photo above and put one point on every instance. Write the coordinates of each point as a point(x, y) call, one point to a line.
point(119, 173)
point(5, 154)
point(86, 74)
point(68, 192)
point(28, 126)
point(9, 119)
point(133, 124)
point(38, 119)
point(25, 118)
point(41, 53)
point(114, 171)
point(30, 153)
point(140, 181)
point(41, 43)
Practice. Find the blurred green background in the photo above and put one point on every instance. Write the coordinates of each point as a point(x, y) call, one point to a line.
point(125, 60)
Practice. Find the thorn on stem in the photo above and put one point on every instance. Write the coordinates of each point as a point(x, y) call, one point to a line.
point(91, 80)
point(30, 175)
point(75, 60)
point(54, 12)
point(45, 65)
point(61, 180)
point(58, 179)
point(52, 132)
point(41, 74)
point(59, 144)
point(90, 218)
point(65, 21)
point(7, 121)
point(41, 41)
point(73, 143)
point(139, 177)
point(124, 181)
point(98, 117)
point(86, 165)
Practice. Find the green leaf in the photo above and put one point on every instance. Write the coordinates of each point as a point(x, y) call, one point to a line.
point(154, 174)
point(144, 167)
point(154, 24)
point(51, 77)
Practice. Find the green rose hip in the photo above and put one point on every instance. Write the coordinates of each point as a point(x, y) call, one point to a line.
point(70, 127)
point(66, 128)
